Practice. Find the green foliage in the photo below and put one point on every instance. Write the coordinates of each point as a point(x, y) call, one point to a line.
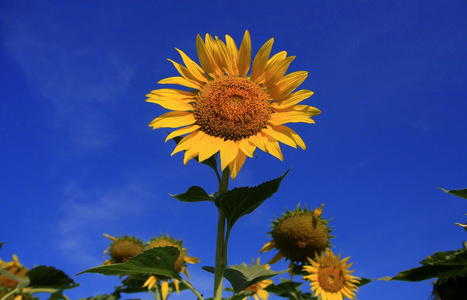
point(241, 277)
point(288, 289)
point(1, 244)
point(459, 193)
point(49, 277)
point(194, 194)
point(439, 265)
point(157, 261)
point(244, 200)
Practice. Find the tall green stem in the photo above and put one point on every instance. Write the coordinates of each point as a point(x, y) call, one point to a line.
point(221, 245)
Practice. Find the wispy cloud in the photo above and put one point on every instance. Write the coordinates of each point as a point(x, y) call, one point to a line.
point(80, 79)
point(89, 213)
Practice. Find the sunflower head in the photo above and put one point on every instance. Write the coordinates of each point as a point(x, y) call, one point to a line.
point(257, 289)
point(123, 248)
point(14, 267)
point(229, 111)
point(299, 234)
point(330, 277)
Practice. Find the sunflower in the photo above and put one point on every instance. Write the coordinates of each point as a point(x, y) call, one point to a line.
point(330, 277)
point(298, 235)
point(257, 289)
point(122, 249)
point(229, 111)
point(180, 266)
point(7, 284)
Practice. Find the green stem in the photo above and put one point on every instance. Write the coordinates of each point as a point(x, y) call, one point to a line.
point(221, 246)
point(200, 297)
point(158, 293)
point(9, 294)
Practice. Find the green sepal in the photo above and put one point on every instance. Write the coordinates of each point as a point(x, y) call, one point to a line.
point(49, 277)
point(439, 265)
point(194, 194)
point(458, 193)
point(241, 277)
point(157, 261)
point(22, 281)
point(1, 244)
point(244, 200)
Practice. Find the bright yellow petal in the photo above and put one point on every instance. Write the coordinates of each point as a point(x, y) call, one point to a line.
point(186, 73)
point(276, 258)
point(164, 289)
point(229, 150)
point(173, 119)
point(290, 117)
point(177, 288)
point(182, 131)
point(292, 99)
point(277, 72)
point(306, 109)
point(172, 93)
point(276, 58)
point(268, 246)
point(281, 131)
point(187, 142)
point(287, 84)
point(205, 58)
point(210, 146)
point(191, 260)
point(181, 81)
point(273, 147)
point(244, 55)
point(233, 52)
point(172, 104)
point(259, 141)
point(237, 164)
point(193, 151)
point(280, 135)
point(261, 58)
point(247, 147)
point(196, 70)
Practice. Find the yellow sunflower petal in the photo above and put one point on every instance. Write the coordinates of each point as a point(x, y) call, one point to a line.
point(292, 99)
point(237, 164)
point(228, 153)
point(191, 260)
point(244, 55)
point(194, 68)
point(210, 146)
point(233, 52)
point(290, 117)
point(177, 288)
point(276, 258)
point(164, 289)
point(273, 147)
point(181, 81)
point(187, 142)
point(182, 131)
point(267, 247)
point(247, 147)
point(259, 141)
point(205, 58)
point(172, 93)
point(261, 58)
point(172, 104)
point(287, 84)
point(275, 59)
point(173, 119)
point(186, 73)
point(278, 71)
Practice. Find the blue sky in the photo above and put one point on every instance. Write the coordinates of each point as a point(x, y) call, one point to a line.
point(78, 158)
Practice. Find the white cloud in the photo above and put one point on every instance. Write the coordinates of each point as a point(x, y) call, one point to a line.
point(87, 214)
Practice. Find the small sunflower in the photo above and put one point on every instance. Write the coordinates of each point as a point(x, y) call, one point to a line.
point(180, 264)
point(298, 235)
point(330, 277)
point(122, 249)
point(229, 111)
point(258, 288)
point(7, 284)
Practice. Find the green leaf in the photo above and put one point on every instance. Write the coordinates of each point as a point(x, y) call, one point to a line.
point(157, 261)
point(286, 286)
point(439, 265)
point(241, 277)
point(1, 244)
point(244, 200)
point(49, 277)
point(194, 194)
point(458, 193)
point(363, 281)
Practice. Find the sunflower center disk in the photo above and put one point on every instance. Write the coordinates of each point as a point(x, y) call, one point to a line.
point(232, 108)
point(331, 279)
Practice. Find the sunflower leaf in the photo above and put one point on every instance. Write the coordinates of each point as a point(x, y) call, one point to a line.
point(244, 200)
point(241, 277)
point(194, 194)
point(458, 193)
point(157, 261)
point(49, 277)
point(439, 265)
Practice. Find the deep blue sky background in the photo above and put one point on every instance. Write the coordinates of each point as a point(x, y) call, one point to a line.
point(77, 158)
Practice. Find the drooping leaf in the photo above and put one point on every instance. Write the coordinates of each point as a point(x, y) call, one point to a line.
point(363, 281)
point(459, 193)
point(49, 277)
point(157, 261)
point(286, 286)
point(241, 277)
point(194, 194)
point(244, 200)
